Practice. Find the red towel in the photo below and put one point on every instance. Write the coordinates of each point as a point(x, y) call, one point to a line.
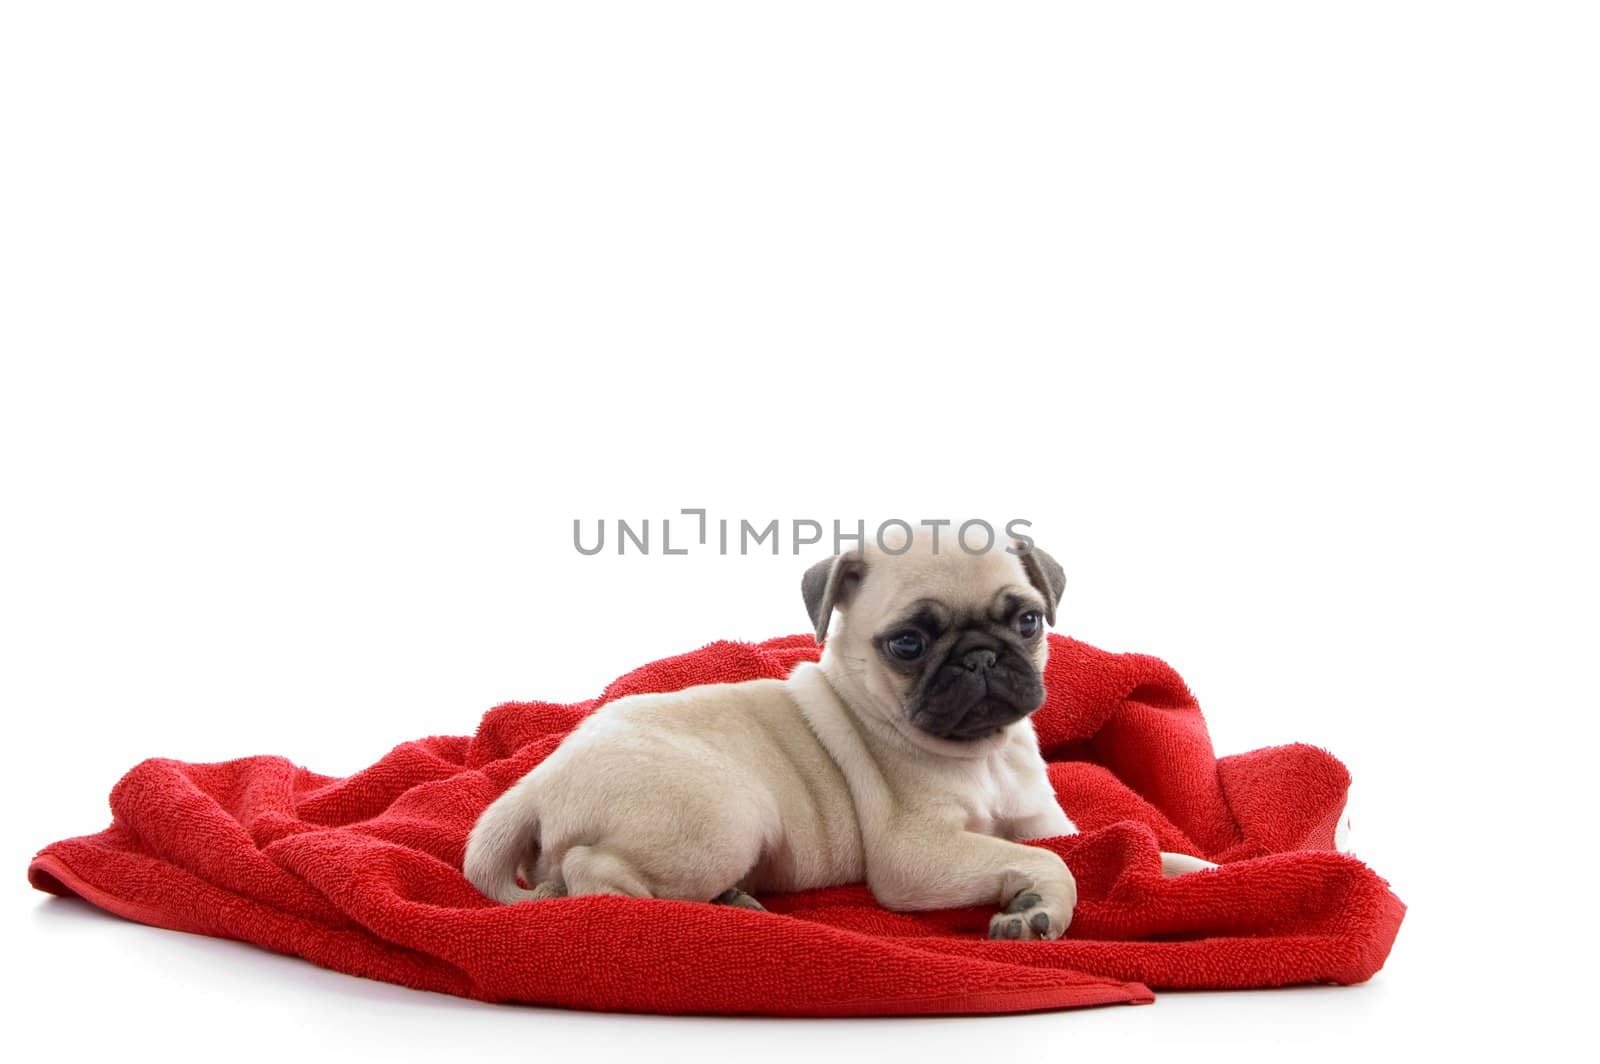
point(363, 874)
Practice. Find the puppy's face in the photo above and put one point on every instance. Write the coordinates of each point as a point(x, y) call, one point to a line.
point(945, 646)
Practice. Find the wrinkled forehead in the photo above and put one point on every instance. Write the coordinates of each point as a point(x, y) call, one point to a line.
point(961, 582)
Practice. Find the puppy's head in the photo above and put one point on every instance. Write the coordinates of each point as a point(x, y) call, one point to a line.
point(944, 645)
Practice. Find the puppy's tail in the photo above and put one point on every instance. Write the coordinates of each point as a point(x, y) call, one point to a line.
point(503, 838)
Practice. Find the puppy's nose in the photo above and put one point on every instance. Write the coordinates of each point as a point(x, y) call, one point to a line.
point(975, 660)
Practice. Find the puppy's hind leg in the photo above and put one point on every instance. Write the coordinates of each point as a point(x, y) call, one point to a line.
point(544, 890)
point(647, 856)
point(738, 899)
point(596, 870)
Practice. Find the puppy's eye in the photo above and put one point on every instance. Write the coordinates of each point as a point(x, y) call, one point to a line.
point(907, 646)
point(1028, 624)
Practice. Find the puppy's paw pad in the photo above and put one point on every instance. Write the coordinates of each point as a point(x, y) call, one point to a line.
point(1027, 917)
point(1007, 928)
point(1022, 902)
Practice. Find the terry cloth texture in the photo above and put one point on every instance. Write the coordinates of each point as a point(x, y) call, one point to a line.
point(363, 874)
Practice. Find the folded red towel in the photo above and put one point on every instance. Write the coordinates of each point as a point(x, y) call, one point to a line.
point(363, 874)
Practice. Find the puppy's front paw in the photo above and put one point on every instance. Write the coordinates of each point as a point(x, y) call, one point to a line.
point(1032, 915)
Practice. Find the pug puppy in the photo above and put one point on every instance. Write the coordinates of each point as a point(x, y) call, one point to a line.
point(904, 757)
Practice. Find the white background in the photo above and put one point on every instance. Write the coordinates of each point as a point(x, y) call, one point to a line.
point(321, 323)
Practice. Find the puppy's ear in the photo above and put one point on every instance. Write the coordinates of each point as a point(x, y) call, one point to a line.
point(1045, 576)
point(829, 583)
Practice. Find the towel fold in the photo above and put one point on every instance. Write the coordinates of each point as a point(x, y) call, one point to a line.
point(363, 874)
